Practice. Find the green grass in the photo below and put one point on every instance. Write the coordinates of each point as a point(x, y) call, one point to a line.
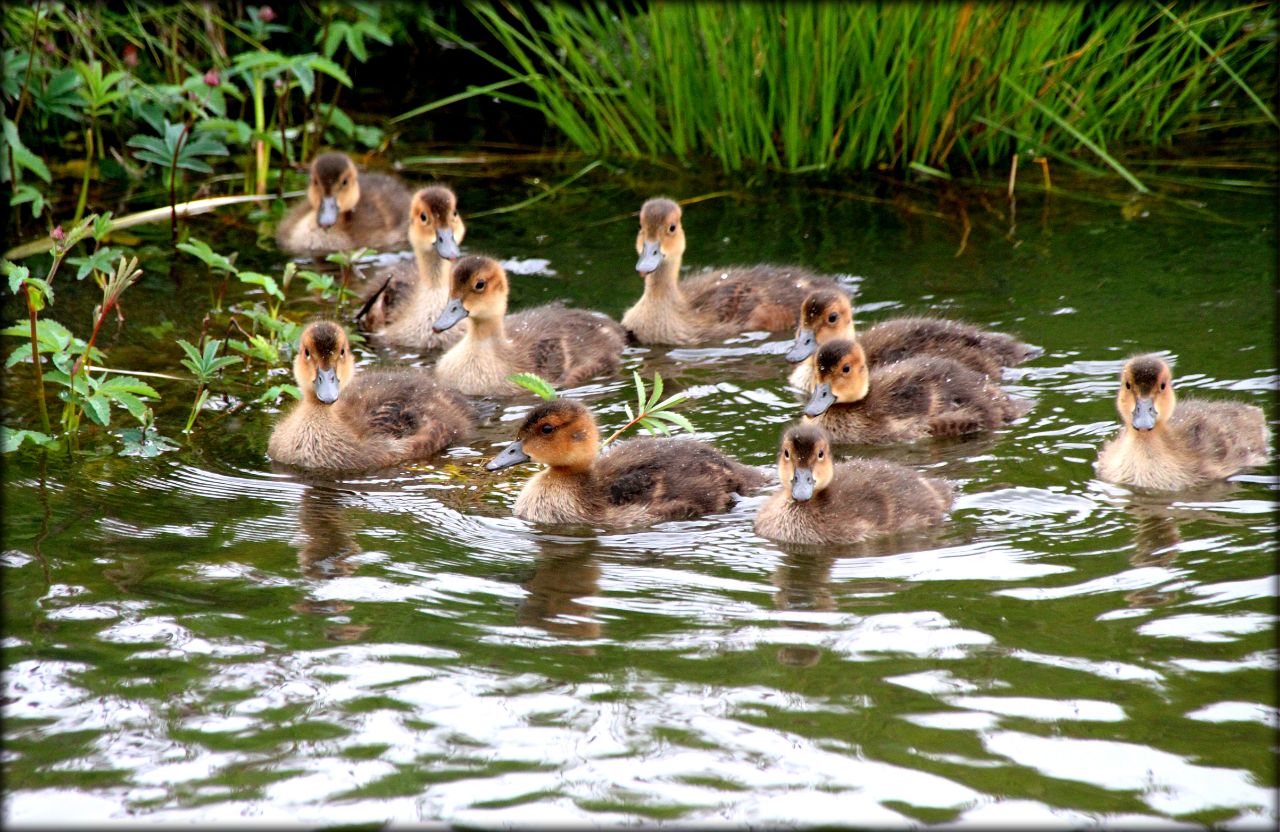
point(801, 86)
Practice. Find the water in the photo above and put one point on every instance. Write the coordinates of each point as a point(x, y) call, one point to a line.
point(200, 637)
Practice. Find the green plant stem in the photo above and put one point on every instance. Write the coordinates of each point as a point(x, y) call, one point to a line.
point(259, 126)
point(31, 61)
point(195, 408)
point(173, 182)
point(39, 365)
point(84, 182)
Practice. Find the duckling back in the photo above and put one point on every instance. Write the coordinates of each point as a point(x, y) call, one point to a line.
point(566, 346)
point(921, 397)
point(417, 414)
point(648, 480)
point(865, 497)
point(982, 350)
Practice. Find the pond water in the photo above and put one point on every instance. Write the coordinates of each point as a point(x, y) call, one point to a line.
point(197, 636)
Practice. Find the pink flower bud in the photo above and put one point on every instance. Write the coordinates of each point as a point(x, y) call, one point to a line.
point(212, 78)
point(49, 47)
point(58, 234)
point(130, 55)
point(266, 15)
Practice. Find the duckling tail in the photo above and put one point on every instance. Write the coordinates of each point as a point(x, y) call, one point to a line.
point(373, 298)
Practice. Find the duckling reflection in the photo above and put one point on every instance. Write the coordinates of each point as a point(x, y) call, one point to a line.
point(328, 541)
point(563, 574)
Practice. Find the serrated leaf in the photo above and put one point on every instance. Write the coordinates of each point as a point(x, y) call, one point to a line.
point(676, 399)
point(533, 383)
point(266, 281)
point(98, 408)
point(127, 384)
point(640, 397)
point(657, 391)
point(275, 390)
point(653, 427)
point(16, 274)
point(22, 353)
point(131, 403)
point(144, 443)
point(674, 418)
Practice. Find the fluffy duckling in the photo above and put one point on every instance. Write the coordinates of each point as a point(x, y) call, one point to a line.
point(828, 313)
point(376, 419)
point(712, 305)
point(402, 308)
point(1169, 448)
point(345, 210)
point(824, 502)
point(902, 401)
point(636, 482)
point(564, 346)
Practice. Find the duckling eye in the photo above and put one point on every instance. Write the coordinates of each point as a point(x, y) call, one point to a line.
point(479, 285)
point(672, 229)
point(343, 183)
point(786, 454)
point(547, 429)
point(845, 368)
point(832, 317)
point(342, 352)
point(306, 352)
point(455, 212)
point(1128, 386)
point(1163, 384)
point(422, 217)
point(822, 454)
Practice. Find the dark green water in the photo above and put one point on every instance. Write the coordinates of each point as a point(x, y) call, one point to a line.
point(197, 637)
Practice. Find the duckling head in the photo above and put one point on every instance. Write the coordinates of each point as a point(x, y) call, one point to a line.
point(434, 222)
point(805, 466)
point(842, 376)
point(1145, 399)
point(334, 188)
point(324, 363)
point(824, 315)
point(560, 433)
point(479, 291)
point(661, 235)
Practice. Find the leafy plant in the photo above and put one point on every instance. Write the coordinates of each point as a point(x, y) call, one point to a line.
point(650, 414)
point(204, 365)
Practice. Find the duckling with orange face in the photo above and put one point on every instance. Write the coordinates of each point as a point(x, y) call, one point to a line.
point(401, 309)
point(827, 314)
point(1169, 445)
point(564, 346)
point(346, 210)
point(636, 482)
point(350, 422)
point(822, 502)
point(713, 305)
point(903, 401)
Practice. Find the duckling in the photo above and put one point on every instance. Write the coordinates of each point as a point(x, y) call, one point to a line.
point(636, 482)
point(345, 210)
point(828, 313)
point(712, 305)
point(376, 419)
point(902, 401)
point(564, 346)
point(401, 310)
point(1167, 448)
point(824, 502)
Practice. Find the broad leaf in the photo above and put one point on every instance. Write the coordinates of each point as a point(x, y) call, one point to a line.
point(533, 383)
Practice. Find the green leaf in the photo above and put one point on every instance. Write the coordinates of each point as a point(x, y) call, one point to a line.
point(98, 408)
point(640, 396)
point(144, 442)
point(654, 428)
point(273, 393)
point(678, 419)
point(24, 193)
point(631, 416)
point(126, 384)
point(202, 251)
point(17, 275)
point(657, 390)
point(22, 157)
point(14, 439)
point(533, 383)
point(99, 260)
point(266, 281)
point(22, 353)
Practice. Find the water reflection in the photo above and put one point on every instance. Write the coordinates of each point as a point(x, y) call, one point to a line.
point(564, 572)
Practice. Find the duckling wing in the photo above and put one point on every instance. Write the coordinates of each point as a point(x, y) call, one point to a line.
point(951, 398)
point(983, 350)
point(672, 478)
point(383, 299)
point(754, 297)
point(875, 495)
point(409, 406)
point(1222, 436)
point(566, 346)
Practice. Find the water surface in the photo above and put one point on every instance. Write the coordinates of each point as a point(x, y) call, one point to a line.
point(199, 636)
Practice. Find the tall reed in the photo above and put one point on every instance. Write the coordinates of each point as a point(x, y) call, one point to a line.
point(823, 85)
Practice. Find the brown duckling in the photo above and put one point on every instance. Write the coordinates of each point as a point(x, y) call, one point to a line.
point(824, 502)
point(828, 313)
point(346, 210)
point(636, 482)
point(1168, 447)
point(905, 400)
point(362, 422)
point(712, 305)
point(564, 346)
point(400, 310)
